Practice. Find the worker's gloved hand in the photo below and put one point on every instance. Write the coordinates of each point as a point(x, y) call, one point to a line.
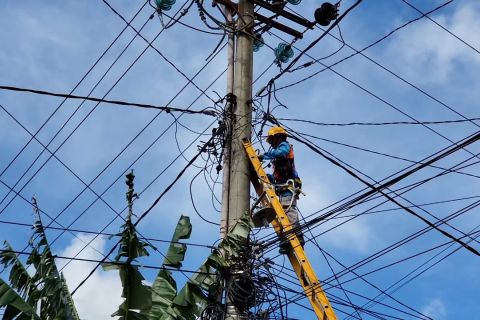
point(260, 157)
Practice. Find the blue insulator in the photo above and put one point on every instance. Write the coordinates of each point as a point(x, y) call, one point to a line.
point(283, 52)
point(257, 42)
point(294, 2)
point(165, 4)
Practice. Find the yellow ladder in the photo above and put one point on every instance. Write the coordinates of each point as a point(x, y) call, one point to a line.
point(305, 273)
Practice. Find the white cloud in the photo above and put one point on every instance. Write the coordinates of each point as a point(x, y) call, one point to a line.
point(99, 297)
point(435, 309)
point(356, 235)
point(431, 54)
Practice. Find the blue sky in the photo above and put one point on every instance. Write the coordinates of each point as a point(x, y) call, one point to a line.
point(426, 71)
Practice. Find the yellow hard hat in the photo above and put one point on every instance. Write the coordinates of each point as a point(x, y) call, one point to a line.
point(274, 131)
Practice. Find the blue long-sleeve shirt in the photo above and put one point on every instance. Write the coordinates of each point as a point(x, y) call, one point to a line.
point(281, 151)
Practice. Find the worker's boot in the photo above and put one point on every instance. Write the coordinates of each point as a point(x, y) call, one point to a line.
point(301, 240)
point(284, 248)
point(284, 245)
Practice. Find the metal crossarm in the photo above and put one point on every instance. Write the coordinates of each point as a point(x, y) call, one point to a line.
point(300, 263)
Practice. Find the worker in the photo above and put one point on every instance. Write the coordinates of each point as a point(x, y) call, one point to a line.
point(284, 173)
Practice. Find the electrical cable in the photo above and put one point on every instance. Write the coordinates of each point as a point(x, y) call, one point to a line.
point(442, 27)
point(150, 45)
point(378, 123)
point(204, 111)
point(71, 92)
point(139, 194)
point(133, 163)
point(144, 214)
point(373, 189)
point(102, 171)
point(193, 202)
point(313, 43)
point(363, 49)
point(75, 128)
point(112, 262)
point(386, 155)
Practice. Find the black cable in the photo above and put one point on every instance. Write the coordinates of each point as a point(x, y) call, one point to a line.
point(441, 26)
point(192, 27)
point(395, 74)
point(378, 123)
point(330, 267)
point(415, 255)
point(418, 268)
point(112, 262)
point(193, 202)
point(107, 234)
point(151, 183)
point(75, 87)
point(313, 43)
point(150, 45)
point(363, 49)
point(115, 102)
point(121, 175)
point(118, 214)
point(144, 214)
point(388, 193)
point(76, 127)
point(131, 164)
point(386, 155)
point(402, 242)
point(409, 187)
point(379, 188)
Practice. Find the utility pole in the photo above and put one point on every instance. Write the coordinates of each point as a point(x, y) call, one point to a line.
point(236, 171)
point(239, 195)
point(229, 109)
point(236, 166)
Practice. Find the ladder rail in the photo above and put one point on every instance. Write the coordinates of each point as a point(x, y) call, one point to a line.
point(297, 257)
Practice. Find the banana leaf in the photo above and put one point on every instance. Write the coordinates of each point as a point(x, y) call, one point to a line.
point(15, 305)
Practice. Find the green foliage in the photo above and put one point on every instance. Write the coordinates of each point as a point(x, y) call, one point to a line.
point(162, 301)
point(203, 286)
point(137, 296)
point(176, 251)
point(45, 291)
point(16, 306)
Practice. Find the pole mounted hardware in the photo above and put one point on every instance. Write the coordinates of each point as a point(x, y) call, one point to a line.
point(269, 21)
point(326, 14)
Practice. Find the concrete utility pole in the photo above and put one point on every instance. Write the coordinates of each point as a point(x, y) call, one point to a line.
point(239, 195)
point(228, 144)
point(236, 170)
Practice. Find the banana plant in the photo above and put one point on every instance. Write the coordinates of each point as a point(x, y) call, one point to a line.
point(43, 295)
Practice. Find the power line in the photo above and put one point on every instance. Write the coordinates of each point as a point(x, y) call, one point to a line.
point(106, 234)
point(363, 49)
point(76, 86)
point(402, 242)
point(151, 121)
point(378, 123)
point(374, 189)
point(150, 45)
point(76, 127)
point(441, 26)
point(154, 119)
point(121, 175)
point(144, 214)
point(154, 179)
point(110, 263)
point(115, 102)
point(137, 33)
point(386, 155)
point(313, 43)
